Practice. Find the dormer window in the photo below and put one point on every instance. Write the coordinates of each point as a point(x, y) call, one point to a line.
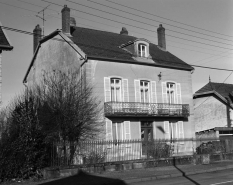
point(142, 50)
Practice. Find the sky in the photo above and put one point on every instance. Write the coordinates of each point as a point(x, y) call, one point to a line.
point(199, 32)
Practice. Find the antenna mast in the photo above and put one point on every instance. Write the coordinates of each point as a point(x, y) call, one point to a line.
point(43, 19)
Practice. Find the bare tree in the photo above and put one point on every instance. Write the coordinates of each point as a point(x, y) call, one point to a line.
point(68, 109)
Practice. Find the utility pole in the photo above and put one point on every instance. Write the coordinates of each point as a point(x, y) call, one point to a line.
point(43, 19)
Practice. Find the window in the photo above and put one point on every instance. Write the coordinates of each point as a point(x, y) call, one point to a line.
point(117, 131)
point(142, 50)
point(171, 93)
point(174, 130)
point(144, 89)
point(115, 89)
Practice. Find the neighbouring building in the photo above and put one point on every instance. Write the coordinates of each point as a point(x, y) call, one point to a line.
point(5, 45)
point(146, 91)
point(213, 110)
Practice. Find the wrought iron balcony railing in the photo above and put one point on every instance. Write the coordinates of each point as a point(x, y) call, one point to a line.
point(146, 109)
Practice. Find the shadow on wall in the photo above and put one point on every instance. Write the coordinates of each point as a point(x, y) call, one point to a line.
point(161, 129)
point(84, 178)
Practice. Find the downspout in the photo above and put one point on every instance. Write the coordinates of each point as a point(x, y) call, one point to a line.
point(228, 113)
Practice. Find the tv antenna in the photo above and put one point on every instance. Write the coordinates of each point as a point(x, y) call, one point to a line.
point(43, 19)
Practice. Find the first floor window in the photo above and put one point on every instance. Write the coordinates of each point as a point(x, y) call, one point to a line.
point(144, 88)
point(115, 89)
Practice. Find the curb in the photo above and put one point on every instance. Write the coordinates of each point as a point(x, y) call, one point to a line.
point(143, 179)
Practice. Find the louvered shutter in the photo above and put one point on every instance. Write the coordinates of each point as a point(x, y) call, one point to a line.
point(109, 130)
point(178, 93)
point(107, 89)
point(153, 92)
point(166, 129)
point(164, 92)
point(125, 90)
point(127, 130)
point(137, 90)
point(181, 131)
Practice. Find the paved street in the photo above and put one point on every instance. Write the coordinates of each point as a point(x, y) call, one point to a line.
point(224, 177)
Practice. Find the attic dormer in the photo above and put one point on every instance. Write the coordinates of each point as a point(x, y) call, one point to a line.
point(141, 48)
point(138, 48)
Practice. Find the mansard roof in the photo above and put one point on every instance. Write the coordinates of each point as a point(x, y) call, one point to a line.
point(106, 45)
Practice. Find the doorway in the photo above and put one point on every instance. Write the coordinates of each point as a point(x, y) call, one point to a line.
point(146, 135)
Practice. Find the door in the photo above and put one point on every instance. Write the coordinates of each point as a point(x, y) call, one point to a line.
point(146, 135)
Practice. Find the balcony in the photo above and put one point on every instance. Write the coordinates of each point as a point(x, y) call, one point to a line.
point(145, 109)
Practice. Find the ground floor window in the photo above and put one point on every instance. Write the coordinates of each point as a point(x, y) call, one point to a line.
point(174, 130)
point(118, 130)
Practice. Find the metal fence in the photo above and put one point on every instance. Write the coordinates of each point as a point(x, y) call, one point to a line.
point(94, 152)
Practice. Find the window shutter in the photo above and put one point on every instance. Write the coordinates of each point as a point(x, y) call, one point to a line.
point(107, 89)
point(178, 93)
point(181, 131)
point(127, 130)
point(125, 90)
point(137, 90)
point(166, 129)
point(164, 92)
point(109, 130)
point(153, 92)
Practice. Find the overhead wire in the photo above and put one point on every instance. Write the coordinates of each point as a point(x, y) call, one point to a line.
point(147, 23)
point(152, 20)
point(139, 10)
point(21, 31)
point(138, 26)
point(104, 24)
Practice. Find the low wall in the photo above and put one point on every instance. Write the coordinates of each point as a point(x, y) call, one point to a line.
point(136, 164)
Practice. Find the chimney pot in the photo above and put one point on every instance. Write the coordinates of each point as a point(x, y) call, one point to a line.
point(124, 31)
point(161, 37)
point(72, 21)
point(66, 20)
point(36, 37)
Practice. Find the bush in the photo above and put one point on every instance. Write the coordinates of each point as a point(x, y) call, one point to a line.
point(211, 147)
point(159, 149)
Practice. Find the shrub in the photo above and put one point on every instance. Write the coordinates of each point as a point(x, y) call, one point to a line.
point(159, 149)
point(211, 147)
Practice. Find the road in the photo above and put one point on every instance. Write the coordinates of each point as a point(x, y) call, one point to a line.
point(224, 177)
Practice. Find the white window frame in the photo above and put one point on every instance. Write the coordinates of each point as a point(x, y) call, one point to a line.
point(144, 88)
point(142, 50)
point(114, 85)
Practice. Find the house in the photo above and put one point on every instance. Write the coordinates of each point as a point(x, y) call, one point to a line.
point(4, 46)
point(146, 91)
point(213, 110)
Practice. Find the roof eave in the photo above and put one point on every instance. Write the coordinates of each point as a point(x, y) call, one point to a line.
point(46, 38)
point(139, 63)
point(213, 92)
point(6, 48)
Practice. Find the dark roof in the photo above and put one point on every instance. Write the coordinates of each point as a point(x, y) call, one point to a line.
point(4, 43)
point(106, 45)
point(225, 90)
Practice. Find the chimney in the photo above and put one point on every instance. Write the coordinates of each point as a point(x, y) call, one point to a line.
point(161, 37)
point(72, 25)
point(36, 37)
point(66, 20)
point(124, 31)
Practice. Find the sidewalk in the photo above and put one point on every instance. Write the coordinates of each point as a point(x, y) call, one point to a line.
point(138, 175)
point(135, 175)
